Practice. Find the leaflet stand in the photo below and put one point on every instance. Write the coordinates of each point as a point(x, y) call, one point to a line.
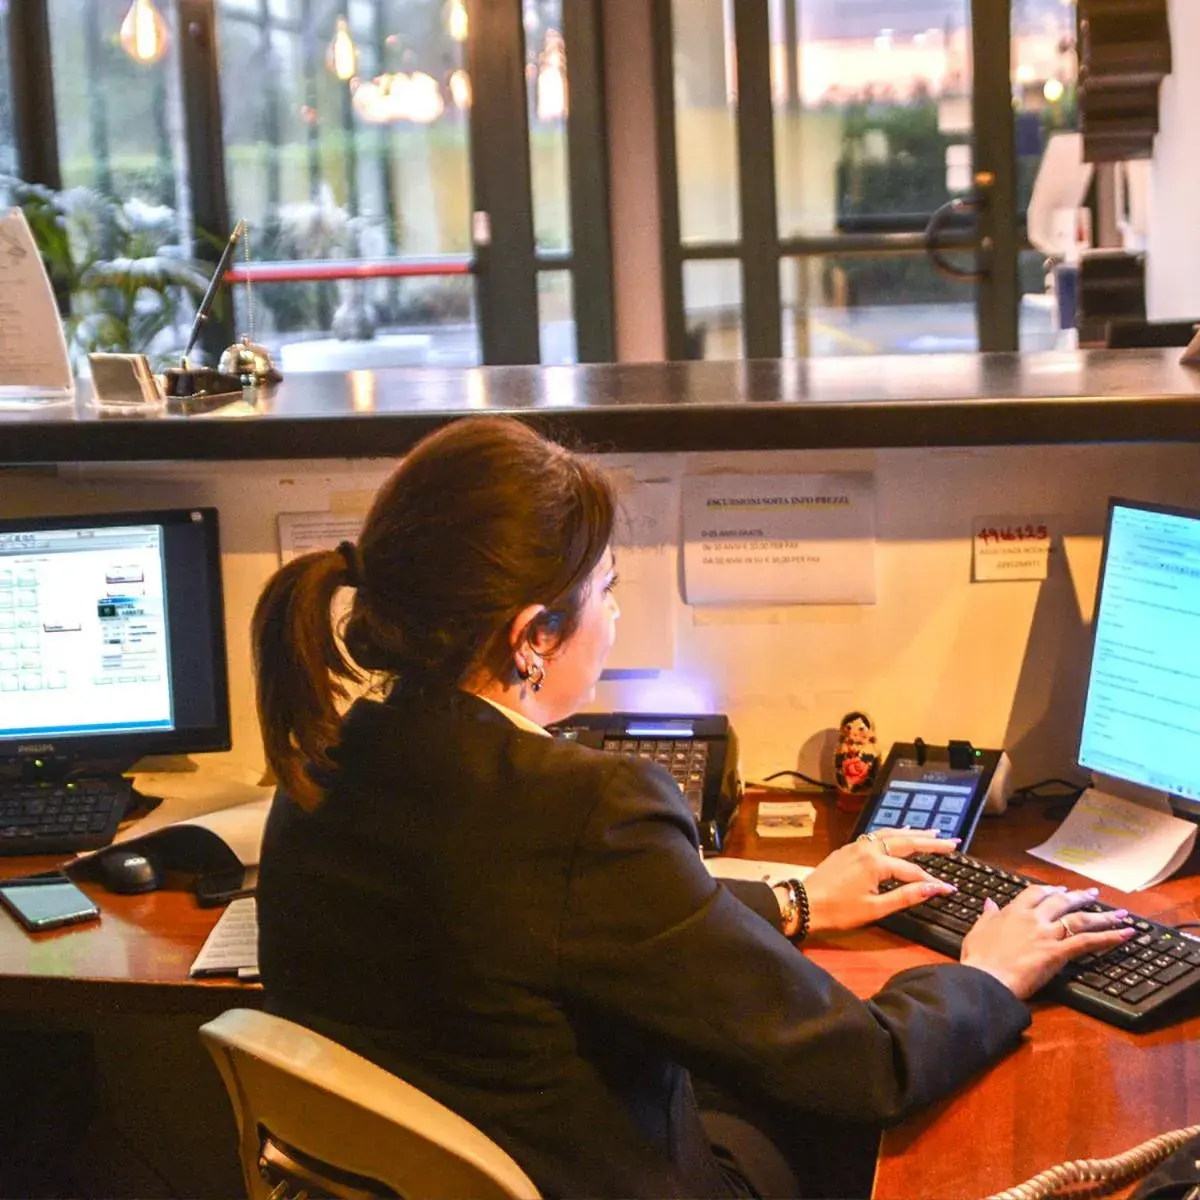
point(35, 368)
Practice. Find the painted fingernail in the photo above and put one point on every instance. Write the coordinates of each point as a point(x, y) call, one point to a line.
point(1121, 913)
point(1128, 932)
point(1093, 891)
point(938, 888)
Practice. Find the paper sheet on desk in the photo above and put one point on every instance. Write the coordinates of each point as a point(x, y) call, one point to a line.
point(1125, 845)
point(225, 804)
point(754, 868)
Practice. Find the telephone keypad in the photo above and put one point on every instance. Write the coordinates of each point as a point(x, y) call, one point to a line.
point(686, 761)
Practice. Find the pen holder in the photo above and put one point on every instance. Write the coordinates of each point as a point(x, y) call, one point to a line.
point(190, 383)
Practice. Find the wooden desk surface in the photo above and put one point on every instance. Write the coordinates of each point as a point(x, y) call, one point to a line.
point(1075, 1088)
point(136, 958)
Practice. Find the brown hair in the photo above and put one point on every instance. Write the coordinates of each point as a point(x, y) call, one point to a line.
point(481, 519)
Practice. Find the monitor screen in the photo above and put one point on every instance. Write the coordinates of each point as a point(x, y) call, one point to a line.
point(1141, 720)
point(112, 636)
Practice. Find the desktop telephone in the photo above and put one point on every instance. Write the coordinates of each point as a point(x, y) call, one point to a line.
point(699, 751)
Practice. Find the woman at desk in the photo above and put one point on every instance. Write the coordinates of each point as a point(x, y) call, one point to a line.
point(521, 926)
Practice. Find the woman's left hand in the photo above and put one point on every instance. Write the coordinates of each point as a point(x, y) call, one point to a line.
point(843, 891)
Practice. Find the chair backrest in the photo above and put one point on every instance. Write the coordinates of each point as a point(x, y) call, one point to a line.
point(348, 1127)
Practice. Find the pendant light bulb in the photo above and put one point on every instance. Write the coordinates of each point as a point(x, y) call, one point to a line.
point(342, 58)
point(457, 22)
point(144, 35)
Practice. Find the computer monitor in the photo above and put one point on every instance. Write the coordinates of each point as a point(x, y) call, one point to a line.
point(1141, 719)
point(112, 640)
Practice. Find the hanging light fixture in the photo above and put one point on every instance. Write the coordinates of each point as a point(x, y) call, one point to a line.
point(457, 23)
point(144, 35)
point(552, 78)
point(342, 57)
point(425, 103)
point(460, 89)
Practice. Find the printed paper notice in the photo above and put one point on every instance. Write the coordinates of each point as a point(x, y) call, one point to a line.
point(301, 533)
point(33, 351)
point(1125, 845)
point(779, 539)
point(1010, 548)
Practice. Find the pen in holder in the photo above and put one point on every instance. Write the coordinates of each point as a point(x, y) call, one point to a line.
point(244, 364)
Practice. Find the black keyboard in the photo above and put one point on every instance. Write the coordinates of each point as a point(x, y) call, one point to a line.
point(1129, 986)
point(59, 818)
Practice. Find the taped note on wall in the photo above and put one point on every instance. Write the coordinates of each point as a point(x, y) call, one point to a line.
point(779, 539)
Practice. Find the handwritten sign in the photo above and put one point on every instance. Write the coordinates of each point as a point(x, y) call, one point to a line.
point(1010, 548)
point(779, 539)
point(34, 365)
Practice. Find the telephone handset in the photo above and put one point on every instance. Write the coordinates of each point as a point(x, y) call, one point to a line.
point(699, 751)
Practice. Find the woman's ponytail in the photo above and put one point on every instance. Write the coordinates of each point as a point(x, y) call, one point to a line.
point(301, 670)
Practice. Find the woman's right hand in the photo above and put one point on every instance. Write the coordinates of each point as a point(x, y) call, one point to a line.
point(1027, 942)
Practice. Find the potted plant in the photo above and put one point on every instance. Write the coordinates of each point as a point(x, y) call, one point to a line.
point(124, 285)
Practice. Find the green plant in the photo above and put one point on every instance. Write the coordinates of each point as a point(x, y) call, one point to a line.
point(123, 284)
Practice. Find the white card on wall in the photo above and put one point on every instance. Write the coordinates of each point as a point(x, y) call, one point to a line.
point(1012, 547)
point(779, 539)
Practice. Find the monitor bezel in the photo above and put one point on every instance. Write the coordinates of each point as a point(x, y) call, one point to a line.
point(1183, 805)
point(126, 748)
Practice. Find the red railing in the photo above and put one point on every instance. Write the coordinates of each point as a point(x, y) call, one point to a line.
point(327, 270)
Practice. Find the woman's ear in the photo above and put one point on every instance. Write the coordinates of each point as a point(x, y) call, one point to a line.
point(519, 632)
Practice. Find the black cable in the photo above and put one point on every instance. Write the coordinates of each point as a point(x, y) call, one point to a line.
point(828, 787)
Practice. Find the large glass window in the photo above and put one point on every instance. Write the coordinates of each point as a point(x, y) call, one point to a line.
point(122, 157)
point(1044, 70)
point(352, 148)
point(8, 151)
point(705, 120)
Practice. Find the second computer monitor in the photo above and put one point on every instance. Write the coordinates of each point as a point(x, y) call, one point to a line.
point(1141, 721)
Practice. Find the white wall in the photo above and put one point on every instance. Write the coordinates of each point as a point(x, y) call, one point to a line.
point(935, 656)
point(1173, 241)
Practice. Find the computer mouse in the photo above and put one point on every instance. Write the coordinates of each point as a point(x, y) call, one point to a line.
point(127, 872)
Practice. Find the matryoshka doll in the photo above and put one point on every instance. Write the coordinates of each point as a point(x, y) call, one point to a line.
point(855, 761)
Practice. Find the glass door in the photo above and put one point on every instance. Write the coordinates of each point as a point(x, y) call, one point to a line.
point(851, 176)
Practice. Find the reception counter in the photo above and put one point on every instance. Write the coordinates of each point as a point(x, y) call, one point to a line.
point(923, 401)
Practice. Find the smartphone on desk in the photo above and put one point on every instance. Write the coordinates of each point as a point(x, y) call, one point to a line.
point(43, 902)
point(700, 752)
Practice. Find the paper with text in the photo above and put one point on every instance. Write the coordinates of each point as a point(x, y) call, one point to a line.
point(1121, 843)
point(301, 533)
point(33, 351)
point(779, 539)
point(1010, 548)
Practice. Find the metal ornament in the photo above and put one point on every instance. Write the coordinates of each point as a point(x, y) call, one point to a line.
point(248, 360)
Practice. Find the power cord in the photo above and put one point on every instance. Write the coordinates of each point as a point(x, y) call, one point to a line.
point(1100, 1174)
point(1058, 802)
point(820, 783)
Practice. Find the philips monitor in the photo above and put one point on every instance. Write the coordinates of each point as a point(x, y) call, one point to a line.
point(1141, 719)
point(112, 640)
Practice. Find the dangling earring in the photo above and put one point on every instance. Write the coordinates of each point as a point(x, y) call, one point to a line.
point(532, 673)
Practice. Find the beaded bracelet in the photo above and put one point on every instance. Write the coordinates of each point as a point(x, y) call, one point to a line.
point(796, 913)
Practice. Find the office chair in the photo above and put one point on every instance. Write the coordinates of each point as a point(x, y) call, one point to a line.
point(314, 1118)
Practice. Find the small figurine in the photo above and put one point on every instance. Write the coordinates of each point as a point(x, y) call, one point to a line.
point(855, 761)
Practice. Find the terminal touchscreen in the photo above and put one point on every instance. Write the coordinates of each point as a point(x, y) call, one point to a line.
point(921, 788)
point(1141, 720)
point(112, 642)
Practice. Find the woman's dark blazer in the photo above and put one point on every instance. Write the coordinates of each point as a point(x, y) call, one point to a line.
point(523, 928)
